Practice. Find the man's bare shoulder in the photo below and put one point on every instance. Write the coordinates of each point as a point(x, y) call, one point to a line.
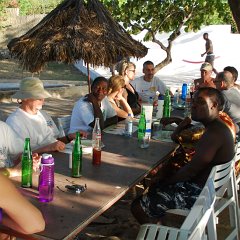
point(219, 131)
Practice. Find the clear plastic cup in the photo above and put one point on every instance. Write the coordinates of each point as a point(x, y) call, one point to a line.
point(144, 142)
point(156, 129)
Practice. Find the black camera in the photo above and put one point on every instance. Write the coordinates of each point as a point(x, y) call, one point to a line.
point(76, 188)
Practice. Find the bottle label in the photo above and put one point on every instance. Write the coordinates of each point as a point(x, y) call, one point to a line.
point(98, 136)
point(129, 128)
point(96, 141)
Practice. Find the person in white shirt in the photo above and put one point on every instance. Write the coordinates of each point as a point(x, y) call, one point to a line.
point(148, 84)
point(10, 148)
point(30, 121)
point(92, 106)
point(10, 145)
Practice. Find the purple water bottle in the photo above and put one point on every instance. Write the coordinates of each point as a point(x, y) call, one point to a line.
point(46, 178)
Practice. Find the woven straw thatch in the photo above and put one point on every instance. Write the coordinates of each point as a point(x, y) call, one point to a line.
point(75, 30)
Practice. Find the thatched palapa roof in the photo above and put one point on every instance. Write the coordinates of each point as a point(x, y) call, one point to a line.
point(75, 30)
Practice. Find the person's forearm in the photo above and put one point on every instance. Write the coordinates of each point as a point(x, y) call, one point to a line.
point(170, 120)
point(18, 213)
point(11, 172)
point(30, 228)
point(126, 106)
point(42, 149)
point(111, 121)
point(136, 111)
point(65, 139)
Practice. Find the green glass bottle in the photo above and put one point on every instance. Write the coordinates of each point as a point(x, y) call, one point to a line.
point(142, 125)
point(27, 165)
point(167, 104)
point(77, 157)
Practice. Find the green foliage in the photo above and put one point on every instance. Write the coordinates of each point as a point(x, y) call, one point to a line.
point(3, 5)
point(29, 7)
point(168, 15)
point(25, 5)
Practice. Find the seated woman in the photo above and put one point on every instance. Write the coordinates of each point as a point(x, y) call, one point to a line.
point(116, 86)
point(16, 212)
point(127, 70)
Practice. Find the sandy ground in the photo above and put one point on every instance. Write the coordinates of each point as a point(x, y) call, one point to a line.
point(117, 223)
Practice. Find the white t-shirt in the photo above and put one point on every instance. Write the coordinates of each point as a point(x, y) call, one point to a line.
point(148, 89)
point(83, 115)
point(40, 128)
point(10, 145)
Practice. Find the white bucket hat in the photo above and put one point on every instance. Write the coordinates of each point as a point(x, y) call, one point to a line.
point(32, 88)
point(206, 66)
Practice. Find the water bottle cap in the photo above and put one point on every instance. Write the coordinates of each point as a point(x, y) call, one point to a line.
point(47, 158)
point(46, 155)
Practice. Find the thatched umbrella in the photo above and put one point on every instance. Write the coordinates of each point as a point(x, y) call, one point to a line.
point(75, 30)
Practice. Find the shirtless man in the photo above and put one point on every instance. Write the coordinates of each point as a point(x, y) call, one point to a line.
point(206, 80)
point(187, 183)
point(209, 50)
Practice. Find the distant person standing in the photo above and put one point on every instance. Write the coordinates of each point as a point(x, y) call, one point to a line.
point(209, 50)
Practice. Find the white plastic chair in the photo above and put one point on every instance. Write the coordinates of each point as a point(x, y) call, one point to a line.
point(63, 125)
point(226, 194)
point(225, 186)
point(237, 159)
point(194, 226)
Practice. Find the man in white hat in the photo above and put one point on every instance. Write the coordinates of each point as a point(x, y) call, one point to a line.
point(206, 80)
point(30, 121)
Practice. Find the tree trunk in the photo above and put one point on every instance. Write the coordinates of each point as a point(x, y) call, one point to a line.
point(235, 9)
point(166, 61)
point(176, 33)
point(167, 49)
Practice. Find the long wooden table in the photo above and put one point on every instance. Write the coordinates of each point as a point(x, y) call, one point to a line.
point(124, 164)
